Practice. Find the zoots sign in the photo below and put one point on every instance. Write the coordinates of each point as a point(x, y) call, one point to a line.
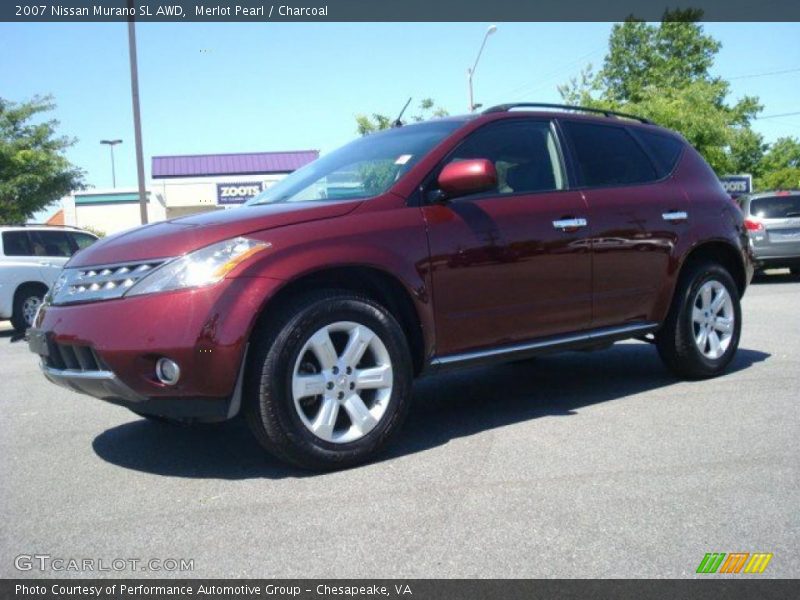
point(238, 192)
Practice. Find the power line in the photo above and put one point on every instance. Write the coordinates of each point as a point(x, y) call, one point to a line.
point(765, 74)
point(789, 114)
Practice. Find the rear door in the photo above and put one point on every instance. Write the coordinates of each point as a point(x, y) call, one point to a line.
point(635, 211)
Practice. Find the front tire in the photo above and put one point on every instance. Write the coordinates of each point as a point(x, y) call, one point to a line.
point(27, 301)
point(330, 381)
point(701, 333)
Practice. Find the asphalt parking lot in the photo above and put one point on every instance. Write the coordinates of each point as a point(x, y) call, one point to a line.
point(577, 465)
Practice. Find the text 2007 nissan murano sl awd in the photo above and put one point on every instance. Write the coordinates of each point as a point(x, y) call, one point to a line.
point(453, 242)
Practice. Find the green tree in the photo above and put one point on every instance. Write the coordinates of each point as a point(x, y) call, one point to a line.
point(33, 169)
point(779, 168)
point(366, 124)
point(661, 72)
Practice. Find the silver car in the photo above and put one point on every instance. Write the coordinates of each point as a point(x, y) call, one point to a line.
point(773, 223)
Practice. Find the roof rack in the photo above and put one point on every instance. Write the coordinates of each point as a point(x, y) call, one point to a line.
point(45, 225)
point(601, 111)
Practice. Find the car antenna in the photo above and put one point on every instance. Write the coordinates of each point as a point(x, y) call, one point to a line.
point(397, 121)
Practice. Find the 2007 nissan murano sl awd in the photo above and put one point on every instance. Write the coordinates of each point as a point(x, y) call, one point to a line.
point(464, 240)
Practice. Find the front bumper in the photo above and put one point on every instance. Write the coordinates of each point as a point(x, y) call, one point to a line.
point(109, 349)
point(107, 386)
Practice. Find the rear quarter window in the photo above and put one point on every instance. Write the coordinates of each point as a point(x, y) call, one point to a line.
point(665, 149)
point(608, 155)
point(17, 243)
point(776, 207)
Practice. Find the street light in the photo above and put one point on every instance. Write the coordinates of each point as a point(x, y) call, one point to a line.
point(471, 72)
point(111, 144)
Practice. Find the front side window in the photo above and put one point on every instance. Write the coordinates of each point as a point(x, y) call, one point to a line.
point(50, 243)
point(524, 153)
point(17, 243)
point(83, 240)
point(608, 155)
point(363, 168)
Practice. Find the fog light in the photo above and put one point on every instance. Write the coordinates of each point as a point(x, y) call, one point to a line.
point(167, 371)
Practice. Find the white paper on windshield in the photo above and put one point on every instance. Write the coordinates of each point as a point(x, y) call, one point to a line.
point(402, 159)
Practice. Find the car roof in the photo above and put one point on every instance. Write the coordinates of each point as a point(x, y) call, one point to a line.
point(576, 113)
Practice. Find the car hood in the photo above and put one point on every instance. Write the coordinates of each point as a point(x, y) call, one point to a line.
point(166, 239)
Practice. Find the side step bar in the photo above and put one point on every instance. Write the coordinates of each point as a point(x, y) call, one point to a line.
point(542, 346)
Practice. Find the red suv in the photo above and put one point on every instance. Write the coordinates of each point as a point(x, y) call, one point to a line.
point(465, 240)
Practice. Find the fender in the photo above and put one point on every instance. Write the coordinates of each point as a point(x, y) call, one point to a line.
point(399, 249)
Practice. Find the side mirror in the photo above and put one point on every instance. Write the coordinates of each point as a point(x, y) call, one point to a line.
point(467, 177)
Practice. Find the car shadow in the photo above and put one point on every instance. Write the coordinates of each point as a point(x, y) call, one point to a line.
point(445, 407)
point(12, 335)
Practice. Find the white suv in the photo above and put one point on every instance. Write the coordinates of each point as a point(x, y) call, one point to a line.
point(31, 257)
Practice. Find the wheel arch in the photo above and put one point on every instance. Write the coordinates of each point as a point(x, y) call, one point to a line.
point(722, 253)
point(377, 284)
point(32, 283)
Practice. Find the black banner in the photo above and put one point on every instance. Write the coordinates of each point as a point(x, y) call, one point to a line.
point(384, 10)
point(416, 589)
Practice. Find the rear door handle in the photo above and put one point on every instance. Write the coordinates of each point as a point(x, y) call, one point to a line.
point(570, 224)
point(675, 215)
point(44, 263)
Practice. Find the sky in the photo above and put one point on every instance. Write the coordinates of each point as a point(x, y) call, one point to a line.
point(249, 87)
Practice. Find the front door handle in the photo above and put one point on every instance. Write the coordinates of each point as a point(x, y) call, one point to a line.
point(571, 224)
point(675, 215)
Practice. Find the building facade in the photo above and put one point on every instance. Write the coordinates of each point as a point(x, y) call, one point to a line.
point(198, 183)
point(183, 185)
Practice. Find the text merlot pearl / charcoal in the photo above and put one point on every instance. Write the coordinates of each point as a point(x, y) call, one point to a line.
point(260, 11)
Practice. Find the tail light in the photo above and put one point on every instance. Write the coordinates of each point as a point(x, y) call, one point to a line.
point(753, 225)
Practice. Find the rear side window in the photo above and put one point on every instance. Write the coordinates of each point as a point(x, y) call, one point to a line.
point(778, 207)
point(51, 243)
point(608, 155)
point(17, 243)
point(665, 149)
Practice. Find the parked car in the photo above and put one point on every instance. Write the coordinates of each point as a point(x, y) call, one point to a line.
point(461, 241)
point(31, 258)
point(773, 222)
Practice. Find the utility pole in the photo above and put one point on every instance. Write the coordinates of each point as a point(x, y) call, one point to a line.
point(137, 119)
point(111, 144)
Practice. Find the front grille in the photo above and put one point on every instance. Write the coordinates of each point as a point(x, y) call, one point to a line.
point(90, 284)
point(74, 357)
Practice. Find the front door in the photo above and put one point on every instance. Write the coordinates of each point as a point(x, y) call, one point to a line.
point(514, 263)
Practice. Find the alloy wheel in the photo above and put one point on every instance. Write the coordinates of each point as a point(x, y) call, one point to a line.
point(342, 382)
point(713, 319)
point(30, 306)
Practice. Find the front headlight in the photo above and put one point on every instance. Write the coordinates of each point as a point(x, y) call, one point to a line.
point(200, 268)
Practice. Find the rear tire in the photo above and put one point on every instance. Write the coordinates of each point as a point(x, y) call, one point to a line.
point(701, 333)
point(27, 300)
point(329, 381)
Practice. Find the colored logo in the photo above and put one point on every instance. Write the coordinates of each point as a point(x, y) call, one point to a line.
point(735, 562)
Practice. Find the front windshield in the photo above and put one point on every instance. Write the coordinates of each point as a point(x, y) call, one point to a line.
point(363, 168)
